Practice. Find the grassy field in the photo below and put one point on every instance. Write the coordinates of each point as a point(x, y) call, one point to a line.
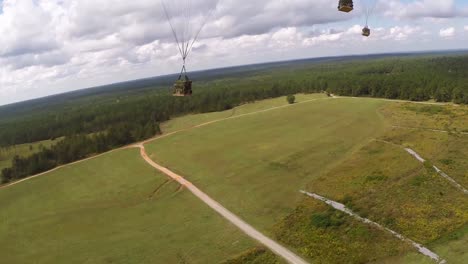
point(377, 181)
point(325, 235)
point(382, 182)
point(112, 209)
point(452, 247)
point(449, 117)
point(447, 151)
point(116, 209)
point(24, 150)
point(189, 121)
point(255, 165)
point(263, 160)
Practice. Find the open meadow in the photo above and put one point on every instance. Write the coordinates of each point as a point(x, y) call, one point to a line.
point(189, 121)
point(255, 166)
point(254, 160)
point(112, 209)
point(23, 150)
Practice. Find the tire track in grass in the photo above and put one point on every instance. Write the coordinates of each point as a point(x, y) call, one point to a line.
point(418, 157)
point(439, 171)
point(341, 207)
point(431, 129)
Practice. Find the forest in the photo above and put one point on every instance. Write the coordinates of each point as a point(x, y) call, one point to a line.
point(100, 123)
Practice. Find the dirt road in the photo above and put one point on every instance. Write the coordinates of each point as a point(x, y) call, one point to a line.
point(246, 228)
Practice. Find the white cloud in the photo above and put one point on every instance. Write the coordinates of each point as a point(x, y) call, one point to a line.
point(447, 32)
point(403, 32)
point(22, 27)
point(50, 46)
point(422, 9)
point(466, 28)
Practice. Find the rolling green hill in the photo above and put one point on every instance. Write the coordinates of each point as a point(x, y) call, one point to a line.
point(255, 165)
point(23, 150)
point(112, 209)
point(254, 159)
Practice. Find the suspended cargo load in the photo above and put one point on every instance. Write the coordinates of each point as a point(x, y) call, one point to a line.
point(345, 6)
point(183, 87)
point(186, 18)
point(369, 8)
point(366, 32)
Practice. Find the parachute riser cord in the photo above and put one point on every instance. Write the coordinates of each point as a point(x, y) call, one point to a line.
point(174, 33)
point(369, 9)
point(187, 35)
point(183, 72)
point(180, 15)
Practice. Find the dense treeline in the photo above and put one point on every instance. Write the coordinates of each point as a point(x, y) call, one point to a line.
point(77, 147)
point(441, 79)
point(134, 122)
point(118, 121)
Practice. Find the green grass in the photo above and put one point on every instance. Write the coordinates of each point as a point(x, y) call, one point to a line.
point(24, 150)
point(407, 198)
point(189, 121)
point(256, 165)
point(116, 209)
point(452, 247)
point(257, 255)
point(448, 117)
point(447, 151)
point(107, 210)
point(325, 235)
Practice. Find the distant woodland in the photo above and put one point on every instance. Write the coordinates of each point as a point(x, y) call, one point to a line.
point(95, 125)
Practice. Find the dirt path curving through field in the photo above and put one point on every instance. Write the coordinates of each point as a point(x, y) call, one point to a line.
point(278, 249)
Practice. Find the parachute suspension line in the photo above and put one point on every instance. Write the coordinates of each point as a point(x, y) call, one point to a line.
point(190, 29)
point(186, 25)
point(369, 9)
point(205, 21)
point(183, 72)
point(185, 30)
point(172, 28)
point(374, 7)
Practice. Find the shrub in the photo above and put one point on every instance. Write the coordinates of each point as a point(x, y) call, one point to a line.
point(327, 219)
point(291, 99)
point(418, 180)
point(447, 161)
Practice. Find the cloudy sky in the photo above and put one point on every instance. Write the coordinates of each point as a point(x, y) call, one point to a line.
point(55, 46)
